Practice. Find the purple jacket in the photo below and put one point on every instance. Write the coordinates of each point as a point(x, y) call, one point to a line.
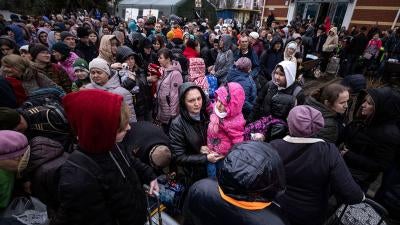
point(167, 93)
point(223, 133)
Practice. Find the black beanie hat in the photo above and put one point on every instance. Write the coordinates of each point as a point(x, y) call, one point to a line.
point(61, 48)
point(82, 32)
point(9, 118)
point(35, 49)
point(123, 52)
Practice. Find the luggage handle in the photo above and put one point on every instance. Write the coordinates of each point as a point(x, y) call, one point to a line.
point(157, 196)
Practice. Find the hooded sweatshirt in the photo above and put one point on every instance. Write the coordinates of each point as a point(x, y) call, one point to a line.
point(114, 86)
point(290, 73)
point(223, 133)
point(105, 49)
point(331, 42)
point(167, 93)
point(224, 59)
point(286, 56)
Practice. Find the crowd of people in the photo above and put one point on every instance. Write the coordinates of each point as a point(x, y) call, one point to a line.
point(92, 108)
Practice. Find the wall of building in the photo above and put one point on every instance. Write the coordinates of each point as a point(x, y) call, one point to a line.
point(278, 7)
point(371, 12)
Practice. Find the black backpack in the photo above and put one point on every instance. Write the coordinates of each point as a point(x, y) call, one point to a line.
point(44, 96)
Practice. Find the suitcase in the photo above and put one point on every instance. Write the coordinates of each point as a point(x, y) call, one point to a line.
point(367, 212)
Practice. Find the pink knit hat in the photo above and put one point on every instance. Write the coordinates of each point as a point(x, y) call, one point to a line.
point(304, 121)
point(12, 144)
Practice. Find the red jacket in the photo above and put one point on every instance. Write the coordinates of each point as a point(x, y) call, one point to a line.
point(190, 53)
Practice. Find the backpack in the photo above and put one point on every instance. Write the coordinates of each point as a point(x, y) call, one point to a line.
point(44, 96)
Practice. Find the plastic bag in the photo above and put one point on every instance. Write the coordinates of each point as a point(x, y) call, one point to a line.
point(27, 210)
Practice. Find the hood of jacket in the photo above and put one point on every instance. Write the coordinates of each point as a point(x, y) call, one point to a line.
point(252, 171)
point(18, 35)
point(290, 72)
point(174, 66)
point(51, 40)
point(227, 40)
point(237, 97)
point(334, 30)
point(111, 84)
point(95, 117)
point(386, 104)
point(235, 74)
point(43, 30)
point(275, 40)
point(105, 48)
point(185, 87)
point(197, 68)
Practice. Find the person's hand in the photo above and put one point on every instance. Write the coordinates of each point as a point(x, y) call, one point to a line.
point(204, 150)
point(257, 137)
point(213, 157)
point(154, 188)
point(116, 66)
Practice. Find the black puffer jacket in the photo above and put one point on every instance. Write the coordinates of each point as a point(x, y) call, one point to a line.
point(187, 136)
point(263, 104)
point(108, 194)
point(314, 170)
point(374, 144)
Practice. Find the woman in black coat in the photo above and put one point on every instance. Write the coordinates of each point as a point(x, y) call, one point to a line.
point(188, 134)
point(373, 138)
point(314, 170)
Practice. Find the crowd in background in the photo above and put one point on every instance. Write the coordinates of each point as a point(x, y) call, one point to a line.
point(93, 106)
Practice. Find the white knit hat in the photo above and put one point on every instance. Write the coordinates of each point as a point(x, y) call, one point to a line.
point(100, 64)
point(254, 35)
point(292, 45)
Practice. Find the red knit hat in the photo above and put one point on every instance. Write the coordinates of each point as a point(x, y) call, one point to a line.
point(94, 115)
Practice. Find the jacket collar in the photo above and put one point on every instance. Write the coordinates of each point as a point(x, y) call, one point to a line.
point(300, 140)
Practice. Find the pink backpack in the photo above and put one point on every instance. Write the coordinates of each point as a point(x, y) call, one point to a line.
point(197, 70)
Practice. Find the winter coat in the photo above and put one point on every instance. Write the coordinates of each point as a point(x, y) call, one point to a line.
point(251, 54)
point(314, 170)
point(33, 80)
point(264, 100)
point(7, 179)
point(222, 134)
point(88, 52)
point(358, 44)
point(331, 42)
point(18, 35)
point(51, 40)
point(392, 46)
point(167, 93)
point(187, 135)
point(204, 205)
point(374, 143)
point(114, 86)
point(67, 65)
point(248, 85)
point(268, 60)
point(197, 69)
point(141, 139)
point(104, 189)
point(190, 53)
point(374, 47)
point(224, 60)
point(46, 157)
point(318, 42)
point(56, 73)
point(330, 131)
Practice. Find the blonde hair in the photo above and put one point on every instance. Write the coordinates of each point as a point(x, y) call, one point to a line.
point(16, 61)
point(124, 120)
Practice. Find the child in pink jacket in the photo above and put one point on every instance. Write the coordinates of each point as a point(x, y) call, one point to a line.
point(227, 123)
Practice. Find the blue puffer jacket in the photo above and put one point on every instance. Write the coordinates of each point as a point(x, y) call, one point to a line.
point(249, 86)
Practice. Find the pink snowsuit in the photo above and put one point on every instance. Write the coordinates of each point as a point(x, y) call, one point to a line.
point(222, 134)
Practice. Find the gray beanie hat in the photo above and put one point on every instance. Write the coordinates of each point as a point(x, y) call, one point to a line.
point(100, 64)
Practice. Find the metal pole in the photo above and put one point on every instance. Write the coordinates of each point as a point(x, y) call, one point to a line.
point(395, 20)
point(262, 13)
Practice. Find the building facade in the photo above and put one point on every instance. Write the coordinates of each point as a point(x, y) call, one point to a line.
point(347, 13)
